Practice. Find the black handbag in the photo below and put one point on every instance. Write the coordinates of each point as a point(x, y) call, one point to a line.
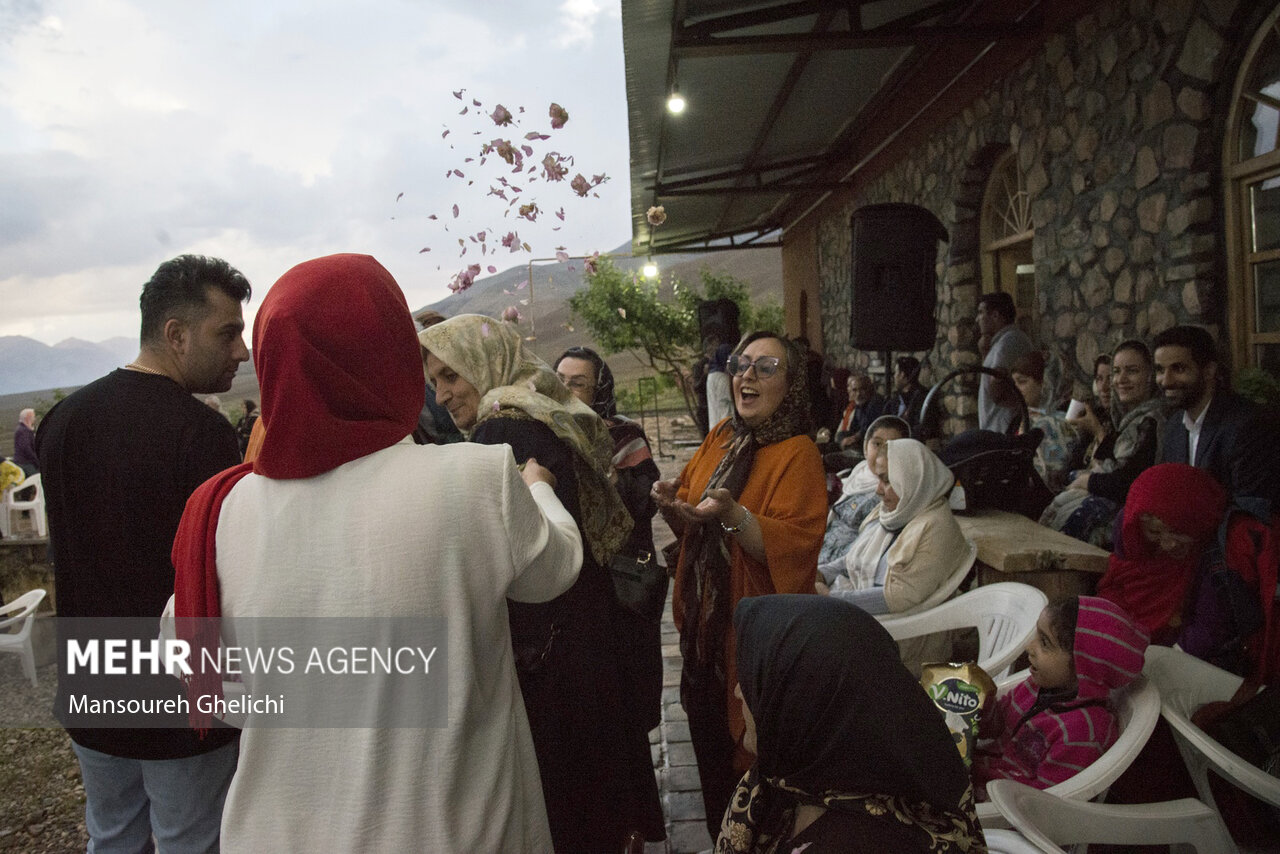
point(1252, 730)
point(639, 584)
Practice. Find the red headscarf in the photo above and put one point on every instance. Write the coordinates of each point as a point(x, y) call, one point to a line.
point(1149, 584)
point(338, 362)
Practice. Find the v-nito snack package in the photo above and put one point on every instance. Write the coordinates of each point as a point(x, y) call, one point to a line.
point(959, 691)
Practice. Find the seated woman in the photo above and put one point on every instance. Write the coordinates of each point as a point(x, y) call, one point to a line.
point(826, 702)
point(859, 495)
point(910, 544)
point(1172, 575)
point(1057, 720)
point(592, 748)
point(1053, 456)
point(1086, 509)
point(1094, 425)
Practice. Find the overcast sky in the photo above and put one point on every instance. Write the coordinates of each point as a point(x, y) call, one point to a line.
point(268, 132)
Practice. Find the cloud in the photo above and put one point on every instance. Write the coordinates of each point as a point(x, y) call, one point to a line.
point(133, 130)
point(578, 19)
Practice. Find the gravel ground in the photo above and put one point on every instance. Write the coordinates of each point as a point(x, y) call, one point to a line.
point(41, 799)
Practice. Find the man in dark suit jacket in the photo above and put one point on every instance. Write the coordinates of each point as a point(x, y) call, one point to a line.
point(1210, 426)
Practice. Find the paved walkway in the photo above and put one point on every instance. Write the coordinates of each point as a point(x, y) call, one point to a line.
point(673, 758)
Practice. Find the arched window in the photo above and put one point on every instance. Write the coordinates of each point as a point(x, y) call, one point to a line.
point(1251, 164)
point(1006, 240)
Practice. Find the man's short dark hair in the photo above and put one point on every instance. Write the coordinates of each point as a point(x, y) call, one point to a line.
point(1001, 303)
point(1196, 339)
point(909, 365)
point(177, 289)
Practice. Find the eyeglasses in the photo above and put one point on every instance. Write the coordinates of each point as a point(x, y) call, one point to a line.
point(766, 366)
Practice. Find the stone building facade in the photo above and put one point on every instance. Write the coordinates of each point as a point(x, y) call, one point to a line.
point(1117, 128)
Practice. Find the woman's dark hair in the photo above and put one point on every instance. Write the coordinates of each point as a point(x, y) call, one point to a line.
point(1001, 303)
point(1104, 359)
point(1136, 346)
point(1030, 365)
point(1063, 614)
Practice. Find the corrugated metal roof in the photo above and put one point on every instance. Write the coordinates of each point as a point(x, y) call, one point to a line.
point(776, 92)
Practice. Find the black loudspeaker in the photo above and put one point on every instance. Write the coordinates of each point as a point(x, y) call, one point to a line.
point(719, 317)
point(895, 250)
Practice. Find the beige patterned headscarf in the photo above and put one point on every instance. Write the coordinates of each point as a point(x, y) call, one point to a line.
point(490, 354)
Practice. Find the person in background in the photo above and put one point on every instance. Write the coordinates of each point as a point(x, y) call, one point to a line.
point(24, 443)
point(908, 546)
point(748, 512)
point(1188, 579)
point(865, 406)
point(589, 379)
point(820, 411)
point(1001, 343)
point(719, 387)
point(593, 751)
point(215, 403)
point(244, 427)
point(907, 399)
point(1058, 721)
point(435, 427)
point(1056, 449)
point(1094, 424)
point(860, 493)
point(119, 458)
point(1210, 426)
point(826, 704)
point(1087, 508)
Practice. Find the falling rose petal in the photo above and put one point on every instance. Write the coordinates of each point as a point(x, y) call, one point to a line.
point(463, 111)
point(475, 102)
point(526, 248)
point(458, 172)
point(524, 302)
point(656, 215)
point(559, 115)
point(622, 312)
point(424, 249)
point(522, 285)
point(492, 269)
point(458, 94)
point(572, 268)
point(495, 406)
point(555, 228)
point(501, 115)
point(527, 149)
point(533, 134)
point(399, 197)
point(484, 329)
point(579, 185)
point(589, 265)
point(467, 159)
point(597, 180)
point(511, 314)
point(446, 133)
point(455, 211)
point(560, 214)
point(562, 256)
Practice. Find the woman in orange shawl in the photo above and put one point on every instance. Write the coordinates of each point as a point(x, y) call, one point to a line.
point(749, 510)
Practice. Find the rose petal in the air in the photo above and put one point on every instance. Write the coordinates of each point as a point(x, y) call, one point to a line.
point(559, 115)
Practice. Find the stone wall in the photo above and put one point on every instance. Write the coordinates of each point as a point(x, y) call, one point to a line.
point(1118, 129)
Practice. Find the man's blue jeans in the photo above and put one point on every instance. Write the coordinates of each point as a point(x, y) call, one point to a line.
point(179, 801)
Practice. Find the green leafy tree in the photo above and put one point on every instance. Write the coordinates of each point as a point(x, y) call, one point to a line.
point(624, 312)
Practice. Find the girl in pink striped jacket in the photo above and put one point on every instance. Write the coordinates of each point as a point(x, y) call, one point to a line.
point(1059, 720)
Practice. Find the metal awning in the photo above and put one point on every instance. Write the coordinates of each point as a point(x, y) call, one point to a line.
point(786, 101)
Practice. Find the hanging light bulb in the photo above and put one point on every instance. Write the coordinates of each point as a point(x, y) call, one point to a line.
point(675, 102)
point(650, 269)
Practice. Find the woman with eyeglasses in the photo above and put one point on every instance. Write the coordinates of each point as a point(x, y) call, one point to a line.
point(749, 511)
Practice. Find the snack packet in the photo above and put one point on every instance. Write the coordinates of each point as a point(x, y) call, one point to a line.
point(959, 690)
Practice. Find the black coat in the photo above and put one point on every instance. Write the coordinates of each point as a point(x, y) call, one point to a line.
point(1238, 446)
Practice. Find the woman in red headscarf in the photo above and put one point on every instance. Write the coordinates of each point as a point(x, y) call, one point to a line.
point(341, 515)
point(1185, 582)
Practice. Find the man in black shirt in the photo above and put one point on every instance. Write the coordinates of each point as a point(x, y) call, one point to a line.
point(119, 459)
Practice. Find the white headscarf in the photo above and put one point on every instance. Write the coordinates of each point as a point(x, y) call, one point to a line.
point(921, 481)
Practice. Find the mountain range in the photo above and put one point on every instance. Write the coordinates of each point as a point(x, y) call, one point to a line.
point(29, 367)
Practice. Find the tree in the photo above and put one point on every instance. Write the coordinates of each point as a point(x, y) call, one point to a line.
point(624, 312)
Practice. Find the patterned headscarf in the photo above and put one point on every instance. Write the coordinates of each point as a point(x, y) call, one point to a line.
point(705, 592)
point(603, 401)
point(831, 701)
point(491, 355)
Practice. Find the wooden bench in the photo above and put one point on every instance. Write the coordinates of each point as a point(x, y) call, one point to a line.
point(1014, 548)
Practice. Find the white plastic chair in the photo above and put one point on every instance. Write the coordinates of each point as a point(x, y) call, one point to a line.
point(1137, 708)
point(1186, 683)
point(943, 593)
point(1049, 821)
point(21, 612)
point(1004, 614)
point(35, 504)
